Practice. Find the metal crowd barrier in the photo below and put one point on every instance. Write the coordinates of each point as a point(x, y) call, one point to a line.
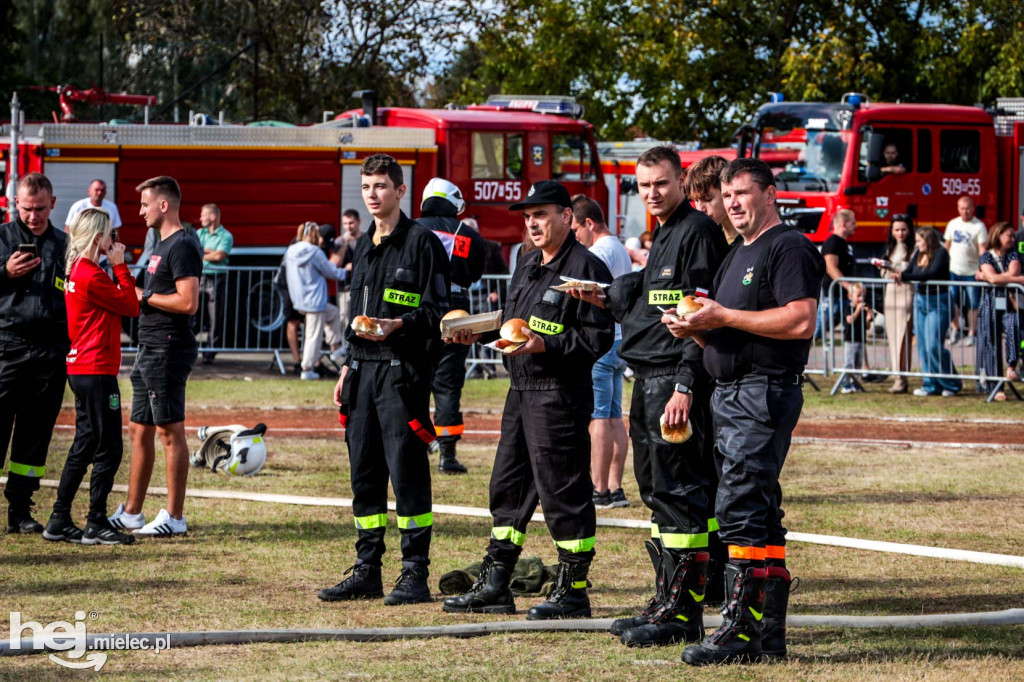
point(485, 296)
point(919, 309)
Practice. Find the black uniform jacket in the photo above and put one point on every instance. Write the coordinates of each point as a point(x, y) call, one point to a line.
point(469, 250)
point(32, 306)
point(575, 333)
point(405, 276)
point(684, 257)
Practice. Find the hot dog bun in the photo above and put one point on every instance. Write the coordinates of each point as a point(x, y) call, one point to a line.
point(688, 305)
point(677, 435)
point(512, 330)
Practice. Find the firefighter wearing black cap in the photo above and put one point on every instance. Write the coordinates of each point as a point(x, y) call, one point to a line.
point(33, 344)
point(400, 282)
point(442, 202)
point(544, 450)
point(757, 336)
point(677, 481)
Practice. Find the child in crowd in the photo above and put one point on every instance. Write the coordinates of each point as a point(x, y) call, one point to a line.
point(854, 329)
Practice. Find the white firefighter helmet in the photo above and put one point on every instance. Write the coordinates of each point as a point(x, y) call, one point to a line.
point(443, 189)
point(232, 449)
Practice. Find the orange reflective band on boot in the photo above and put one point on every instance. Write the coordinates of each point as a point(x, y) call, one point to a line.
point(424, 435)
point(775, 552)
point(746, 553)
point(455, 430)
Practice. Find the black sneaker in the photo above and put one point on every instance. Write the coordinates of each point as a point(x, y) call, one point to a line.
point(410, 588)
point(62, 529)
point(618, 498)
point(104, 534)
point(364, 583)
point(603, 500)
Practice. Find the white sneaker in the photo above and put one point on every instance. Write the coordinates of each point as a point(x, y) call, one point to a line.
point(921, 393)
point(969, 341)
point(309, 376)
point(164, 525)
point(128, 522)
point(948, 394)
point(848, 389)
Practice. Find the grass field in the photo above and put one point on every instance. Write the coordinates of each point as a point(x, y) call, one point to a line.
point(246, 565)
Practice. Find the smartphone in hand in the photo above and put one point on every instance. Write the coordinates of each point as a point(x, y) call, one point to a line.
point(29, 249)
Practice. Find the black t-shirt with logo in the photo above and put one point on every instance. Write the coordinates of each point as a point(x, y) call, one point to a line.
point(174, 258)
point(837, 246)
point(792, 271)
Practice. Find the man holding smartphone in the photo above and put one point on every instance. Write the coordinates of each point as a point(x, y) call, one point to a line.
point(33, 343)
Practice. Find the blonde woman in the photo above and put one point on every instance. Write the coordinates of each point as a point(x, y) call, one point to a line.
point(95, 307)
point(308, 269)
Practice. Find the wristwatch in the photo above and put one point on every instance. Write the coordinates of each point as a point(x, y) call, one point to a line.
point(682, 388)
point(146, 293)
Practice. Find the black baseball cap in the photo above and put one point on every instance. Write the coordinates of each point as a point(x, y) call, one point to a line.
point(545, 192)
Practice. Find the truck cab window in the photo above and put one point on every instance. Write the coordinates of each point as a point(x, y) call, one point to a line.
point(960, 151)
point(497, 156)
point(514, 157)
point(571, 159)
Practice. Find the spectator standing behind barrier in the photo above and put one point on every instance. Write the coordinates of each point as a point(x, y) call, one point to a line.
point(442, 202)
point(345, 246)
point(308, 270)
point(33, 339)
point(608, 440)
point(543, 453)
point(400, 281)
point(899, 297)
point(216, 242)
point(96, 199)
point(854, 330)
point(757, 334)
point(167, 353)
point(95, 307)
point(965, 240)
point(999, 265)
point(839, 262)
point(930, 262)
point(705, 191)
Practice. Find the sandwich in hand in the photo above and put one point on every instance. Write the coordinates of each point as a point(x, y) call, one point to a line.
point(688, 305)
point(512, 336)
point(364, 325)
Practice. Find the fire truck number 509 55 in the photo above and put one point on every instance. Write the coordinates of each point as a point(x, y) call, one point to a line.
point(497, 190)
point(959, 187)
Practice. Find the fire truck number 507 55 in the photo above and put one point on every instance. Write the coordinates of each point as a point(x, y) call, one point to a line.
point(497, 190)
point(958, 186)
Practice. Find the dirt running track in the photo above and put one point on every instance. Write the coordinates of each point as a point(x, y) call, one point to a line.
point(322, 422)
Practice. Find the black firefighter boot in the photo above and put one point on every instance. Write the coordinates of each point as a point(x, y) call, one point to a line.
point(680, 616)
point(411, 586)
point(568, 598)
point(448, 463)
point(19, 520)
point(489, 594)
point(364, 583)
point(776, 605)
point(620, 625)
point(738, 639)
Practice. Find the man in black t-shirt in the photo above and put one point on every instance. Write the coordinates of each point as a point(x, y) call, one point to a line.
point(167, 353)
point(839, 262)
point(757, 336)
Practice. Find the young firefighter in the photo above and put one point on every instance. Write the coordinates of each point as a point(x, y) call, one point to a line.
point(95, 307)
point(400, 281)
point(544, 450)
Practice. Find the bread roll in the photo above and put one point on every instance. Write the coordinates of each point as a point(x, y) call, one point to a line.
point(364, 325)
point(688, 305)
point(676, 435)
point(513, 330)
point(453, 315)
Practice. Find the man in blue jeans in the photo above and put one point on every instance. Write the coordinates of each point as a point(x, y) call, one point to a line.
point(607, 432)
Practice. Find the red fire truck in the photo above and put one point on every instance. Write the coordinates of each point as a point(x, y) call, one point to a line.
point(267, 180)
point(946, 152)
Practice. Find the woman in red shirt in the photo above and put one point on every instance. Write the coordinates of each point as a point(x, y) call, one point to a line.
point(95, 306)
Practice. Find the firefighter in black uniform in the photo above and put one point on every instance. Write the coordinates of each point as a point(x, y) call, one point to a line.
point(544, 450)
point(757, 335)
point(677, 481)
point(33, 344)
point(442, 202)
point(400, 281)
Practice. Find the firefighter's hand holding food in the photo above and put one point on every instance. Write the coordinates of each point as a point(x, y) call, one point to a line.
point(375, 328)
point(691, 316)
point(595, 296)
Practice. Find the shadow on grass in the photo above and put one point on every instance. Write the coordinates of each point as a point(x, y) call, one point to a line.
point(92, 586)
point(894, 497)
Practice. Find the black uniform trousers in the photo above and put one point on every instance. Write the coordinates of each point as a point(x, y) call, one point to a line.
point(32, 381)
point(674, 479)
point(387, 433)
point(754, 421)
point(97, 441)
point(449, 378)
point(544, 455)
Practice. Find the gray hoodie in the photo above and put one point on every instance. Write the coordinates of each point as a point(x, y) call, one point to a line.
point(308, 270)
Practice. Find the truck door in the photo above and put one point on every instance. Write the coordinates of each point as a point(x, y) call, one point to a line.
point(573, 163)
point(899, 190)
point(497, 179)
point(966, 167)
